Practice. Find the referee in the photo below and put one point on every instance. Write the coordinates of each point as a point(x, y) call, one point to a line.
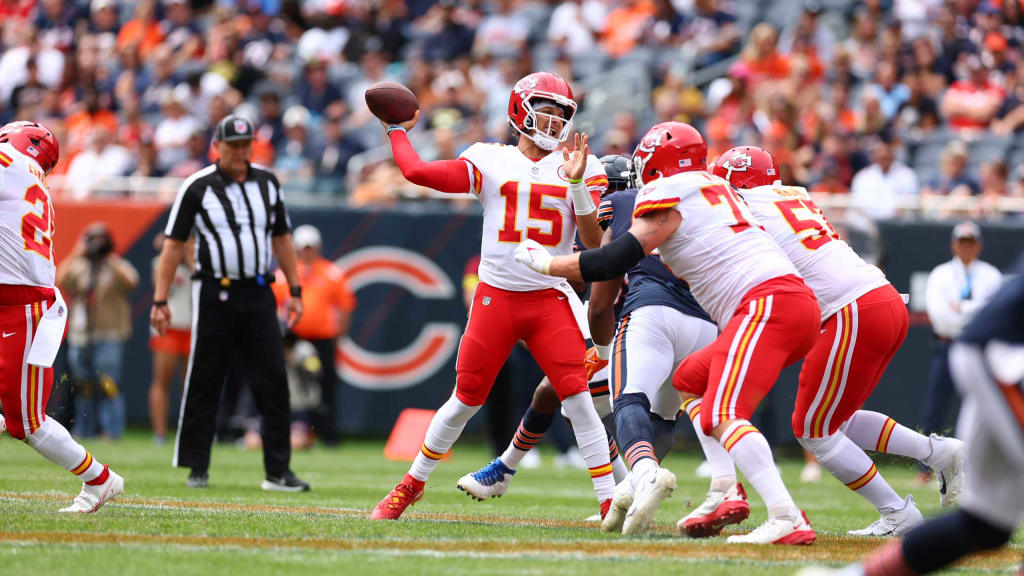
point(237, 212)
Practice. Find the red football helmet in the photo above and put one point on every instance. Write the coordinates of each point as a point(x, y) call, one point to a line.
point(522, 104)
point(669, 148)
point(33, 140)
point(747, 167)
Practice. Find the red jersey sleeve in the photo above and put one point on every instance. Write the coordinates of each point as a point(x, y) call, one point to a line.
point(450, 176)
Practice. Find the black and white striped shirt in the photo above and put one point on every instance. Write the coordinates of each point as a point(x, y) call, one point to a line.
point(233, 221)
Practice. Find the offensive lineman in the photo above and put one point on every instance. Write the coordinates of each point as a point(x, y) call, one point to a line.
point(528, 191)
point(864, 322)
point(739, 275)
point(33, 314)
point(659, 324)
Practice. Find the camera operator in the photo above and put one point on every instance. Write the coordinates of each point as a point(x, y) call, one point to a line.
point(98, 284)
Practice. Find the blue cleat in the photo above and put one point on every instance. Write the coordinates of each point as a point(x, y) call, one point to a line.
point(488, 482)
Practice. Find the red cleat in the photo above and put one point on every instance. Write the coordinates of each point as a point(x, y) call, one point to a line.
point(719, 510)
point(407, 493)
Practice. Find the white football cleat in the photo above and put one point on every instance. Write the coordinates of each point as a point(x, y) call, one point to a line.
point(531, 461)
point(91, 498)
point(947, 460)
point(719, 509)
point(894, 522)
point(3, 425)
point(621, 502)
point(794, 529)
point(490, 481)
point(648, 496)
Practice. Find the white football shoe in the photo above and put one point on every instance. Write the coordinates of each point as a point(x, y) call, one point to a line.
point(793, 529)
point(648, 496)
point(621, 502)
point(947, 460)
point(719, 509)
point(894, 522)
point(811, 472)
point(3, 425)
point(91, 498)
point(490, 481)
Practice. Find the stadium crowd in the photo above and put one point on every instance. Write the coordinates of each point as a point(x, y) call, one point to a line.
point(881, 99)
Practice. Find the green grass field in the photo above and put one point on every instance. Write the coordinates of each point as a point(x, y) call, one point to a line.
point(162, 527)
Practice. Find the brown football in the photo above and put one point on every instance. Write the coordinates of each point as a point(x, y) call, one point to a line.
point(391, 102)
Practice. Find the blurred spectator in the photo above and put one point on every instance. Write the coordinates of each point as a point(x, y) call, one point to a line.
point(29, 92)
point(502, 32)
point(328, 306)
point(270, 125)
point(625, 25)
point(338, 148)
point(444, 36)
point(142, 33)
point(891, 94)
point(15, 56)
point(763, 60)
point(972, 103)
point(197, 148)
point(294, 162)
point(711, 34)
point(816, 39)
point(994, 186)
point(104, 158)
point(919, 113)
point(862, 44)
point(953, 178)
point(575, 25)
point(99, 284)
point(173, 131)
point(1011, 115)
point(316, 93)
point(956, 290)
point(170, 351)
point(878, 188)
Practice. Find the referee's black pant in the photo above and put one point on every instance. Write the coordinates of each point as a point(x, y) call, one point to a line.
point(242, 316)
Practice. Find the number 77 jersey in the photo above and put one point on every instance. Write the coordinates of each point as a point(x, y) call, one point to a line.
point(26, 222)
point(719, 248)
point(829, 266)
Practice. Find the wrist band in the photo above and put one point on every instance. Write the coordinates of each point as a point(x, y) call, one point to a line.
point(394, 127)
point(603, 352)
point(582, 203)
point(577, 181)
point(159, 302)
point(295, 291)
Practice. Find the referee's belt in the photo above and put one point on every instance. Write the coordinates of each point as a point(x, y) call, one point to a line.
point(256, 281)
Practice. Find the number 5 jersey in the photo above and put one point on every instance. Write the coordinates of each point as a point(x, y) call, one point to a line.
point(26, 222)
point(828, 265)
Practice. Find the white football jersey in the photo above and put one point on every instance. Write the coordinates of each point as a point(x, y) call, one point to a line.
point(719, 248)
point(26, 222)
point(829, 266)
point(524, 199)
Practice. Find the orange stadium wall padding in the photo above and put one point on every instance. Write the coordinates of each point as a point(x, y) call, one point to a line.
point(127, 221)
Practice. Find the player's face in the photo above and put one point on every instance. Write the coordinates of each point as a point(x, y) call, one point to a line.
point(550, 120)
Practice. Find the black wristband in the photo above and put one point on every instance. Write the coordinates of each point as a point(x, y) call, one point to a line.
point(611, 260)
point(295, 291)
point(159, 302)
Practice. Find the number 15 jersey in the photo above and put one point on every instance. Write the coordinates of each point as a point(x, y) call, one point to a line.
point(719, 248)
point(524, 199)
point(829, 266)
point(26, 222)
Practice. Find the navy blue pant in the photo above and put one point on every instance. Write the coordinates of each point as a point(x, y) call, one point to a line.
point(941, 399)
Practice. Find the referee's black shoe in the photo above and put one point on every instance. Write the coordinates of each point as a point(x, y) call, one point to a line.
point(287, 483)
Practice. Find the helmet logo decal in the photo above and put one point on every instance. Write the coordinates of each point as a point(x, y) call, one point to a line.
point(32, 150)
point(525, 84)
point(738, 163)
